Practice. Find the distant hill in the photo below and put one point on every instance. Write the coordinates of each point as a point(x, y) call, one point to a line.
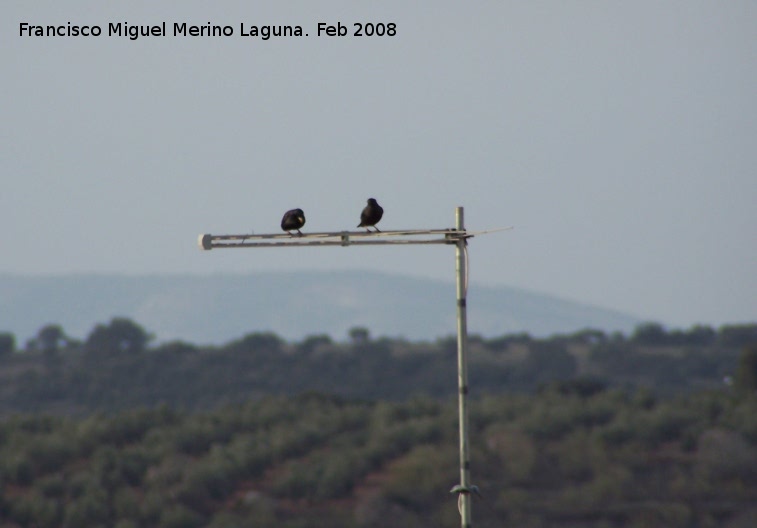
point(213, 309)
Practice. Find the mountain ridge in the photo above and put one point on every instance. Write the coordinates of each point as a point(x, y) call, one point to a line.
point(215, 308)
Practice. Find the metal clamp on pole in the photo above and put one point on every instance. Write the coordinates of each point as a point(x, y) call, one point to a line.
point(464, 491)
point(345, 238)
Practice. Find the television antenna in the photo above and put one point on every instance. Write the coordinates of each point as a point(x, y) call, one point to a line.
point(456, 236)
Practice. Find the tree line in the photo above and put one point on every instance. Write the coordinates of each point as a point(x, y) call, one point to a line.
point(118, 366)
point(123, 334)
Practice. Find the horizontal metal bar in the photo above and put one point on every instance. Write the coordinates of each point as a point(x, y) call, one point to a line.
point(335, 234)
point(338, 238)
point(320, 243)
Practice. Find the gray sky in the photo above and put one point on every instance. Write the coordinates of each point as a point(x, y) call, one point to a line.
point(619, 138)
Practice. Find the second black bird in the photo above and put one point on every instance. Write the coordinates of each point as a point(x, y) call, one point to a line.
point(371, 215)
point(293, 220)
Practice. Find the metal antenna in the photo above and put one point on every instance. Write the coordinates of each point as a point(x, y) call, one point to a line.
point(457, 236)
point(464, 502)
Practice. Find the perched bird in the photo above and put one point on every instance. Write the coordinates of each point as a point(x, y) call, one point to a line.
point(371, 215)
point(293, 219)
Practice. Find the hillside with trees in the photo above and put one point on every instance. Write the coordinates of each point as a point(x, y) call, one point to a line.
point(654, 429)
point(559, 458)
point(116, 367)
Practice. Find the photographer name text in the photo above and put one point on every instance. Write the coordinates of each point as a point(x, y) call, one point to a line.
point(184, 29)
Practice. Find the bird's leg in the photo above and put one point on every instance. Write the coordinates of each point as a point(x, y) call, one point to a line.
point(300, 232)
point(377, 229)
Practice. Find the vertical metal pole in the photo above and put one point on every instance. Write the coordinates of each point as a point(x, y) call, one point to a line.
point(464, 498)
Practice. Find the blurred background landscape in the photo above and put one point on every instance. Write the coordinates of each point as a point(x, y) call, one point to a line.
point(655, 427)
point(210, 309)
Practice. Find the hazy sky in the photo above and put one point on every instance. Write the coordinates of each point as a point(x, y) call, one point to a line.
point(619, 138)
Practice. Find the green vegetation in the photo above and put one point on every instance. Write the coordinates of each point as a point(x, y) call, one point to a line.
point(553, 459)
point(584, 430)
point(116, 368)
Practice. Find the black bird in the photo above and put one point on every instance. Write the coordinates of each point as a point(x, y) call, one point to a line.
point(371, 215)
point(293, 219)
